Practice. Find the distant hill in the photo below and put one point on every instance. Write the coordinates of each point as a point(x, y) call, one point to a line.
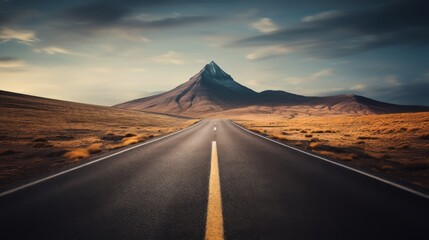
point(212, 90)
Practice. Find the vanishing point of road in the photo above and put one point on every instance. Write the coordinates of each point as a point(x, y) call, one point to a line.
point(213, 180)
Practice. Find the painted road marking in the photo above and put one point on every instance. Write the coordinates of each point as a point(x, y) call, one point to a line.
point(410, 190)
point(214, 223)
point(214, 128)
point(93, 161)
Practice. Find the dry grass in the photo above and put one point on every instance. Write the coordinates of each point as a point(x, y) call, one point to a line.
point(82, 153)
point(95, 148)
point(396, 144)
point(39, 135)
point(78, 153)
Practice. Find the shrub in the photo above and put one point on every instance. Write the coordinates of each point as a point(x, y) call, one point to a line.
point(40, 139)
point(95, 148)
point(78, 153)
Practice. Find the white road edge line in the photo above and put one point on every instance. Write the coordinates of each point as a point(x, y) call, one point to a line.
point(341, 165)
point(91, 162)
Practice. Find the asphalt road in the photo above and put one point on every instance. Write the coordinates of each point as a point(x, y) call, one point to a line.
point(160, 191)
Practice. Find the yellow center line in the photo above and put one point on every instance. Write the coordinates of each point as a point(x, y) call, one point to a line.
point(214, 223)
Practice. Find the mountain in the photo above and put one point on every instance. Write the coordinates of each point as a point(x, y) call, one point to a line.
point(209, 90)
point(213, 90)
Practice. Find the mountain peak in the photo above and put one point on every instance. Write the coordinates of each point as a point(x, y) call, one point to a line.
point(213, 70)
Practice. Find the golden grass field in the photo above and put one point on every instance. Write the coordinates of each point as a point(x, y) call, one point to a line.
point(393, 144)
point(39, 135)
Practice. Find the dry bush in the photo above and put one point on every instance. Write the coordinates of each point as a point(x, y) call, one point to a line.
point(76, 154)
point(380, 156)
point(313, 144)
point(131, 140)
point(40, 139)
point(95, 148)
point(279, 137)
point(82, 153)
point(327, 154)
point(41, 145)
point(366, 138)
point(130, 135)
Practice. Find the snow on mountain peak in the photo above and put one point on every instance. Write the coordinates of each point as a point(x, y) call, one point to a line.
point(214, 70)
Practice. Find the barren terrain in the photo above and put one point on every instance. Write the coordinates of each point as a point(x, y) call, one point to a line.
point(38, 135)
point(392, 144)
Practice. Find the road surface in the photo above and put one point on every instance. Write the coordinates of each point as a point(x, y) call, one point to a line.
point(258, 190)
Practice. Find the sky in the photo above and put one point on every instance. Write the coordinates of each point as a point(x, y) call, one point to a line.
point(107, 52)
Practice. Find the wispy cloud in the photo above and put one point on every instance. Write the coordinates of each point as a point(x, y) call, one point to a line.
point(170, 57)
point(8, 62)
point(323, 16)
point(54, 50)
point(322, 73)
point(268, 52)
point(264, 25)
point(340, 33)
point(111, 15)
point(315, 76)
point(22, 36)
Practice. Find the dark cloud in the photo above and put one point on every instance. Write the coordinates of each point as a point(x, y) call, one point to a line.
point(412, 93)
point(340, 33)
point(4, 18)
point(110, 14)
point(8, 59)
point(173, 21)
point(415, 93)
point(97, 13)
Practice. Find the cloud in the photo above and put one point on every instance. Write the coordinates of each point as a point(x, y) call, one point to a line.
point(323, 16)
point(340, 33)
point(23, 36)
point(268, 52)
point(170, 57)
point(54, 50)
point(323, 73)
point(111, 15)
point(97, 13)
point(390, 89)
point(8, 62)
point(108, 70)
point(315, 76)
point(264, 25)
